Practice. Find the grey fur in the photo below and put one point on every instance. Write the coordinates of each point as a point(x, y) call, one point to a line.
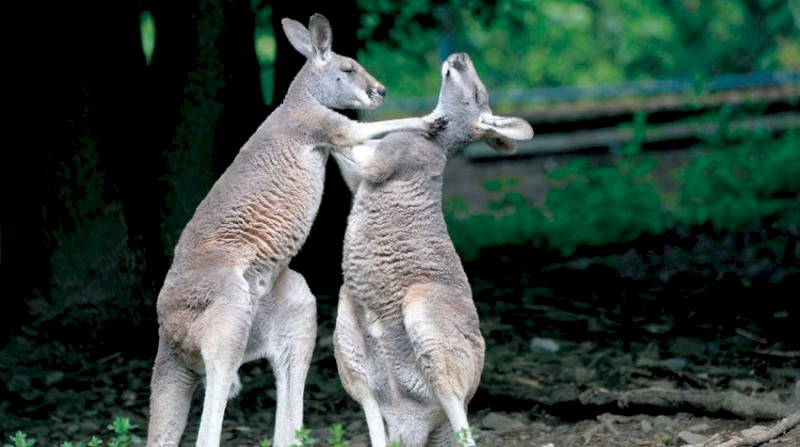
point(407, 340)
point(229, 296)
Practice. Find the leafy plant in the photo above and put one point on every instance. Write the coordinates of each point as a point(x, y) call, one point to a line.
point(731, 181)
point(94, 442)
point(465, 438)
point(303, 438)
point(730, 186)
point(336, 437)
point(20, 439)
point(122, 429)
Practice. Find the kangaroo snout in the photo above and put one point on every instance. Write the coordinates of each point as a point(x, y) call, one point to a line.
point(459, 61)
point(377, 94)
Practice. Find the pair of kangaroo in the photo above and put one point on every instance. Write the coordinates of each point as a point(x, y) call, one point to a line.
point(407, 340)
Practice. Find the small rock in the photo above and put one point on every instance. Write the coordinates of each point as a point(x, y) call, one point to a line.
point(662, 422)
point(501, 423)
point(539, 427)
point(753, 431)
point(701, 427)
point(646, 426)
point(657, 328)
point(692, 438)
point(673, 364)
point(544, 344)
point(746, 385)
point(583, 376)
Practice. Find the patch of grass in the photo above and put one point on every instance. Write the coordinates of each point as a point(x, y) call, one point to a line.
point(336, 438)
point(121, 436)
point(20, 439)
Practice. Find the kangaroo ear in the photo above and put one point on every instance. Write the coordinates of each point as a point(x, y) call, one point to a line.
point(502, 133)
point(298, 36)
point(321, 36)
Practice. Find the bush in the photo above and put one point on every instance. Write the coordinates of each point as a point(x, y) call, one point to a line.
point(731, 183)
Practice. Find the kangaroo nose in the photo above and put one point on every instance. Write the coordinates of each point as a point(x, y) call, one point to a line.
point(381, 90)
point(459, 61)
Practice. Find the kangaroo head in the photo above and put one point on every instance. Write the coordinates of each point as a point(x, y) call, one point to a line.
point(464, 107)
point(464, 103)
point(336, 81)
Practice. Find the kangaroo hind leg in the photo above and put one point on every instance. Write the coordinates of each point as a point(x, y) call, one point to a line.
point(443, 330)
point(292, 333)
point(221, 335)
point(172, 385)
point(352, 361)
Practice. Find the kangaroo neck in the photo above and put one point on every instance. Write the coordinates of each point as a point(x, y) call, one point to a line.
point(299, 90)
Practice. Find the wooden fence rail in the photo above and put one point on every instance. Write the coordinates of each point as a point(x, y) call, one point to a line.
point(569, 116)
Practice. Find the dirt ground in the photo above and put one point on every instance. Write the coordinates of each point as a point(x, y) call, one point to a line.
point(539, 391)
point(576, 356)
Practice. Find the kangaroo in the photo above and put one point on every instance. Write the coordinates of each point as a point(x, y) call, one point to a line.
point(229, 296)
point(407, 342)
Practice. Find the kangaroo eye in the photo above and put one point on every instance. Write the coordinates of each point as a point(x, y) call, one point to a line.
point(348, 69)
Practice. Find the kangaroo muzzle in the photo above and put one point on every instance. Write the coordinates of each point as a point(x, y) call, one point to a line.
point(459, 61)
point(377, 94)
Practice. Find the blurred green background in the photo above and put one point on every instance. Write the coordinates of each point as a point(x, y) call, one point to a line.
point(519, 44)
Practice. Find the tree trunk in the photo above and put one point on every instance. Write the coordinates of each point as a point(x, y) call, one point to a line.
point(243, 102)
point(44, 114)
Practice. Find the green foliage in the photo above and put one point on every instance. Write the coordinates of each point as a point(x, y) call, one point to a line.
point(464, 437)
point(121, 428)
point(733, 185)
point(728, 183)
point(19, 439)
point(303, 438)
point(94, 442)
point(592, 205)
point(508, 220)
point(336, 437)
point(524, 43)
point(147, 27)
